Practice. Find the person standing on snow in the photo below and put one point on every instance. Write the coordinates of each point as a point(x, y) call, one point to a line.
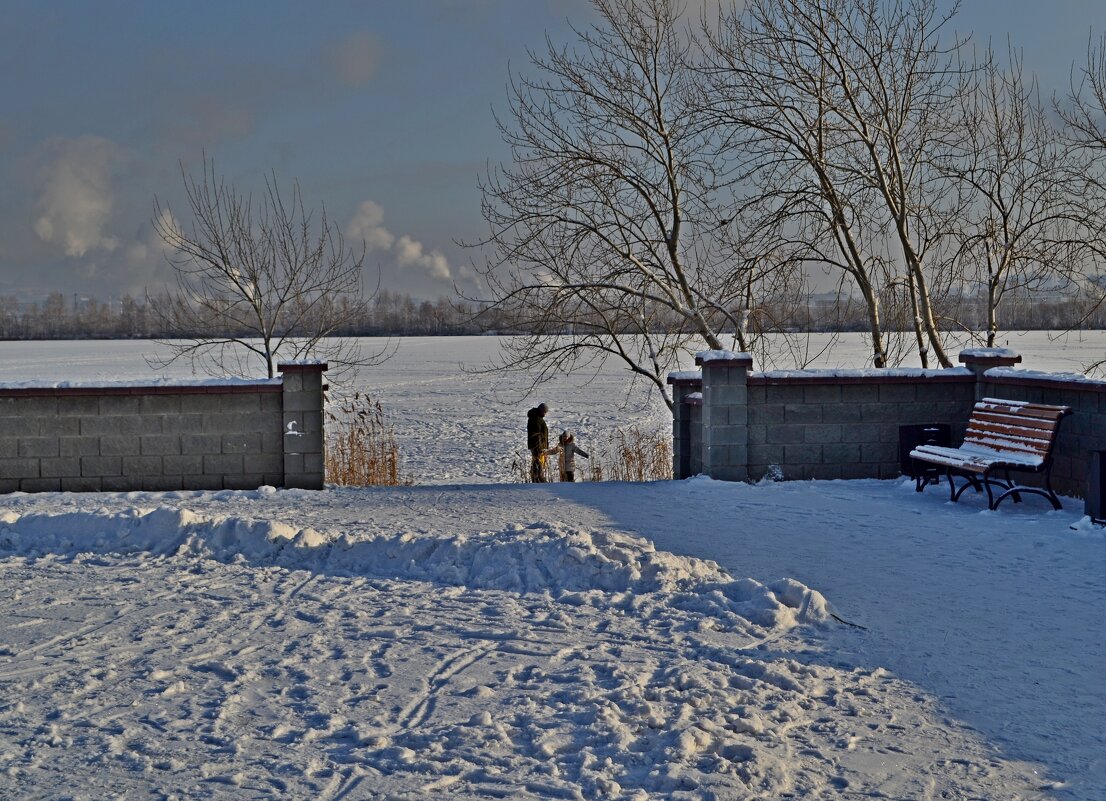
point(537, 441)
point(567, 450)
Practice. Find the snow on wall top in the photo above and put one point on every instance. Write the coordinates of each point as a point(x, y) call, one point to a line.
point(1071, 378)
point(991, 353)
point(132, 383)
point(301, 363)
point(722, 355)
point(867, 372)
point(686, 375)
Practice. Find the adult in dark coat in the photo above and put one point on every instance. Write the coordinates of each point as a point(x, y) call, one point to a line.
point(537, 440)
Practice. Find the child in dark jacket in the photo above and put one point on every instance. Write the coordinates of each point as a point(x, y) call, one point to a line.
point(566, 450)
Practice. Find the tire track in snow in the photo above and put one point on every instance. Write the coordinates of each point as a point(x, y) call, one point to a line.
point(420, 708)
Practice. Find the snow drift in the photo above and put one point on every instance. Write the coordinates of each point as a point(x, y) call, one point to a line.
point(572, 565)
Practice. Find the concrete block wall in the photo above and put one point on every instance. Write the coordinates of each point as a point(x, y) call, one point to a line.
point(821, 424)
point(303, 425)
point(214, 435)
point(825, 426)
point(695, 404)
point(684, 385)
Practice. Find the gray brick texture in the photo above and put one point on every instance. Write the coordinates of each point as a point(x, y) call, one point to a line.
point(91, 440)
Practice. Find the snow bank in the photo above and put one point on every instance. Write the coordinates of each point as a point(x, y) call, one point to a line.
point(572, 565)
point(135, 664)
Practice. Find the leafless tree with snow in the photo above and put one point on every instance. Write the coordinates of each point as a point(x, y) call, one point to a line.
point(1022, 228)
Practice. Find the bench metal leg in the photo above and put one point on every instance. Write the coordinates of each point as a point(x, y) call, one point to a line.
point(1046, 492)
point(1010, 485)
point(969, 481)
point(983, 482)
point(1051, 493)
point(987, 485)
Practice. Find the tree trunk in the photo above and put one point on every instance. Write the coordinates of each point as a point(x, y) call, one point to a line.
point(919, 333)
point(925, 308)
point(871, 301)
point(992, 311)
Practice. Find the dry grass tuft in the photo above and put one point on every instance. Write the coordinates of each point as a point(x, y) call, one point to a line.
point(629, 454)
point(520, 466)
point(361, 449)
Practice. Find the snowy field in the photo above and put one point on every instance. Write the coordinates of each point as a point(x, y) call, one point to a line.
point(683, 640)
point(457, 424)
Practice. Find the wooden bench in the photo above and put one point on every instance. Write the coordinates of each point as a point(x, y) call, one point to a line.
point(1002, 436)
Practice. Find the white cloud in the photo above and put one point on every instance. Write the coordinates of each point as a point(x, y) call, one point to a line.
point(149, 248)
point(368, 225)
point(76, 196)
point(410, 253)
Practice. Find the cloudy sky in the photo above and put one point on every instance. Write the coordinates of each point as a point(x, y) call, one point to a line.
point(381, 109)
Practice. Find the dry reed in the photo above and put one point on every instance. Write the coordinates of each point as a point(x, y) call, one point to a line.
point(629, 454)
point(361, 447)
point(520, 466)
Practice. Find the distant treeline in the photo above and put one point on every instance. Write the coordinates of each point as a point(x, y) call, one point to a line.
point(60, 316)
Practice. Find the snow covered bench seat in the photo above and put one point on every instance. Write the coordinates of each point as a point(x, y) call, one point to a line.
point(1002, 435)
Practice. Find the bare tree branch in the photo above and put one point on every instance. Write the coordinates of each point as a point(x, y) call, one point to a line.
point(257, 281)
point(606, 230)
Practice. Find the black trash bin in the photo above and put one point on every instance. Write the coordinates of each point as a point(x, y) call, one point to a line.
point(910, 437)
point(1094, 502)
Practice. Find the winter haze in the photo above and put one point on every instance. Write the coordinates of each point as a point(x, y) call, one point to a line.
point(383, 112)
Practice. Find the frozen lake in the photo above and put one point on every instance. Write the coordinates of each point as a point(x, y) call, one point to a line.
point(458, 425)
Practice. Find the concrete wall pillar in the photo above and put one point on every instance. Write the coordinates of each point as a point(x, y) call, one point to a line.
point(725, 414)
point(683, 384)
point(980, 360)
point(304, 444)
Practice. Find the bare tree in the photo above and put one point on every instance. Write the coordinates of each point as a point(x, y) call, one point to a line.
point(257, 280)
point(852, 102)
point(1085, 116)
point(768, 89)
point(1021, 227)
point(897, 82)
point(609, 234)
point(1085, 113)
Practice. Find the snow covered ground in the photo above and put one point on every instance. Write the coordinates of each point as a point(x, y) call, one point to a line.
point(472, 640)
point(529, 642)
